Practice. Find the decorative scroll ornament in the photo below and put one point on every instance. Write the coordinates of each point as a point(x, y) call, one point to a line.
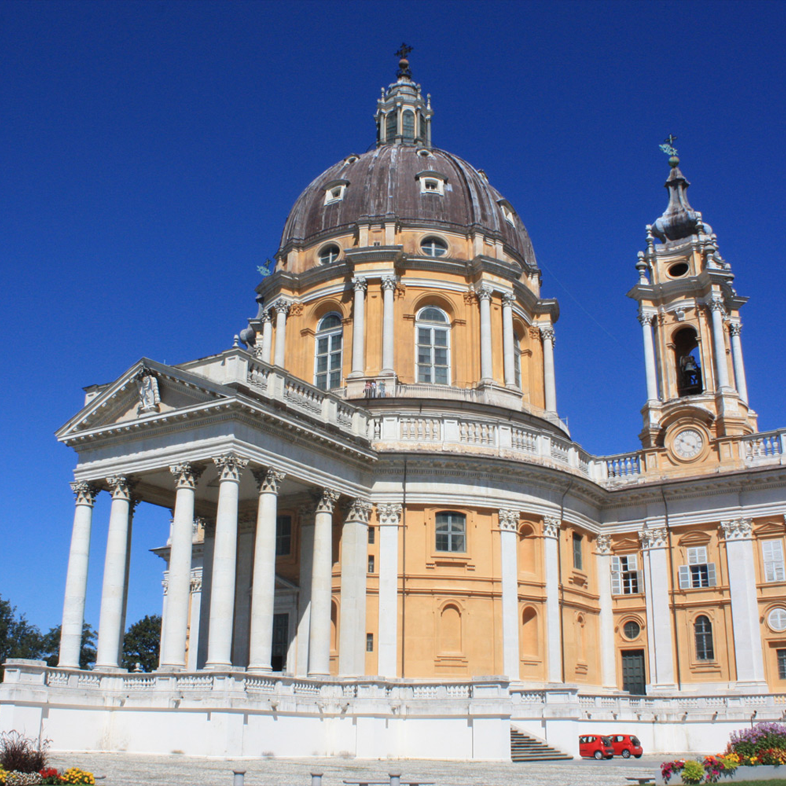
point(389, 514)
point(186, 475)
point(653, 537)
point(295, 309)
point(84, 492)
point(327, 501)
point(551, 527)
point(121, 487)
point(147, 386)
point(547, 334)
point(509, 520)
point(360, 284)
point(268, 480)
point(603, 544)
point(230, 466)
point(359, 510)
point(737, 529)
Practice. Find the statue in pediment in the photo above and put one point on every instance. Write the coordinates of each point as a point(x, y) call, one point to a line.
point(149, 397)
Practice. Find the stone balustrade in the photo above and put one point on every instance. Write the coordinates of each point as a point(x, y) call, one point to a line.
point(768, 447)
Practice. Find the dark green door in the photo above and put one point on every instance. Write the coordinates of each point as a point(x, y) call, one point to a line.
point(633, 677)
point(278, 660)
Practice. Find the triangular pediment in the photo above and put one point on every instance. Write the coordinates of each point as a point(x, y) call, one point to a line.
point(626, 545)
point(770, 529)
point(123, 401)
point(694, 539)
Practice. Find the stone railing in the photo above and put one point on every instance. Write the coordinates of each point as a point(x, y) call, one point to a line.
point(769, 447)
point(623, 467)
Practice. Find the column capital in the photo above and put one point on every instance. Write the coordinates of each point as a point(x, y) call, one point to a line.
point(737, 529)
point(551, 526)
point(359, 511)
point(121, 487)
point(646, 318)
point(327, 501)
point(716, 304)
point(508, 299)
point(282, 306)
point(229, 466)
point(268, 480)
point(547, 334)
point(186, 475)
point(735, 328)
point(653, 537)
point(264, 315)
point(359, 284)
point(389, 514)
point(84, 492)
point(389, 282)
point(484, 292)
point(509, 519)
point(603, 544)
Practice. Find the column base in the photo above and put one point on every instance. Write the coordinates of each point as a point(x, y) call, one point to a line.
point(317, 675)
point(220, 667)
point(110, 668)
point(170, 667)
point(259, 669)
point(751, 686)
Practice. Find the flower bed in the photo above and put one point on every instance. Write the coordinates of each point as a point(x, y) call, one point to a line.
point(23, 763)
point(754, 754)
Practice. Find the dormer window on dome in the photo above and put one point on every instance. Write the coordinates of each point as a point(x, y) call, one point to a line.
point(431, 182)
point(434, 247)
point(507, 211)
point(329, 253)
point(334, 191)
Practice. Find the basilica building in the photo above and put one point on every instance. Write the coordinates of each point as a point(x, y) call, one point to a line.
point(384, 542)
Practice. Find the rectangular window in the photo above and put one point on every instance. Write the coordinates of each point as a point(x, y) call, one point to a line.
point(369, 642)
point(371, 534)
point(625, 575)
point(283, 535)
point(450, 532)
point(578, 561)
point(781, 664)
point(370, 563)
point(772, 554)
point(698, 573)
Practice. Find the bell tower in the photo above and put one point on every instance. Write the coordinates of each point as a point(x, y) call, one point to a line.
point(690, 316)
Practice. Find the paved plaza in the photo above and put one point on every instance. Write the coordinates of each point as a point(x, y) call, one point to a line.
point(121, 769)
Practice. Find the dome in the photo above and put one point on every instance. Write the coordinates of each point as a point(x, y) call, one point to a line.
point(384, 184)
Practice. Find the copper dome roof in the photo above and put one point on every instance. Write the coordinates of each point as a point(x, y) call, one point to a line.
point(382, 184)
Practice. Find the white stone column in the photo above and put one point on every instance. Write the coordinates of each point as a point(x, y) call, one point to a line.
point(282, 309)
point(486, 367)
point(657, 584)
point(549, 381)
point(719, 344)
point(607, 647)
point(267, 335)
point(509, 570)
point(76, 578)
point(195, 619)
point(264, 584)
point(354, 567)
point(748, 651)
point(207, 591)
point(222, 595)
point(389, 518)
point(129, 534)
point(388, 324)
point(551, 533)
point(359, 328)
point(321, 586)
point(306, 516)
point(509, 352)
point(173, 640)
point(735, 328)
point(111, 617)
point(649, 356)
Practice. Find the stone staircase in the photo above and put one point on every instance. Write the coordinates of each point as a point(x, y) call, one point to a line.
point(524, 748)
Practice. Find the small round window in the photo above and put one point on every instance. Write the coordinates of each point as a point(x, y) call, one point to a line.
point(434, 247)
point(678, 270)
point(329, 254)
point(777, 619)
point(631, 629)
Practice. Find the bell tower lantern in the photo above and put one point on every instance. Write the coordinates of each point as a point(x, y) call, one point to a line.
point(690, 316)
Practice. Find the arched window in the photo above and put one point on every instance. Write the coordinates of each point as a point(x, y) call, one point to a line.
point(517, 359)
point(390, 132)
point(434, 247)
point(702, 629)
point(408, 123)
point(689, 381)
point(451, 531)
point(432, 332)
point(327, 363)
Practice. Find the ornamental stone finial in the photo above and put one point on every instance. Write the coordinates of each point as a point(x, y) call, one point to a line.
point(551, 526)
point(268, 480)
point(603, 544)
point(389, 514)
point(186, 475)
point(327, 501)
point(85, 492)
point(229, 466)
point(737, 529)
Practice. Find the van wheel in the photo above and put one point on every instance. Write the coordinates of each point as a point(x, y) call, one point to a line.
point(638, 755)
point(598, 755)
point(626, 754)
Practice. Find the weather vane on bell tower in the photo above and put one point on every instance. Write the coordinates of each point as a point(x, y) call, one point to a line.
point(403, 63)
point(668, 148)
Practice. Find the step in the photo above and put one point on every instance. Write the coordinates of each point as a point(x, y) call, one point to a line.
point(525, 748)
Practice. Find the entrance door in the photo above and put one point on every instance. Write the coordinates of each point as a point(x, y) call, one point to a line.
point(278, 659)
point(633, 677)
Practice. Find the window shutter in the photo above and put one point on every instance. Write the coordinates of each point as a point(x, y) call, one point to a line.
point(685, 582)
point(616, 583)
point(633, 563)
point(711, 575)
point(615, 564)
point(640, 580)
point(697, 555)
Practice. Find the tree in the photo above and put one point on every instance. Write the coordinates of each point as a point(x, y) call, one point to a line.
point(142, 643)
point(18, 638)
point(51, 647)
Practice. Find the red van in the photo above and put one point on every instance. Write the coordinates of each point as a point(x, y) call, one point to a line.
point(626, 745)
point(595, 746)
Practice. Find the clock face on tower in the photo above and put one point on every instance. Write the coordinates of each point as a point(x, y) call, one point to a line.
point(688, 443)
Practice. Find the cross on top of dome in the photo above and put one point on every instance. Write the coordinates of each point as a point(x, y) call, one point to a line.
point(404, 71)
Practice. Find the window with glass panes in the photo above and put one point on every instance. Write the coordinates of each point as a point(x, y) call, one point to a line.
point(781, 664)
point(391, 122)
point(433, 346)
point(434, 247)
point(703, 631)
point(698, 573)
point(578, 557)
point(283, 535)
point(451, 530)
point(517, 359)
point(772, 553)
point(408, 123)
point(327, 363)
point(625, 575)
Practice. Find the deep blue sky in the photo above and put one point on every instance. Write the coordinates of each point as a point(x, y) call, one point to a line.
point(150, 152)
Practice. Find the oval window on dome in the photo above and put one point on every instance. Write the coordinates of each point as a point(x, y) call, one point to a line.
point(678, 270)
point(329, 254)
point(777, 619)
point(434, 247)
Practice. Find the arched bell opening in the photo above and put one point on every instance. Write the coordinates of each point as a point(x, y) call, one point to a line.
point(689, 375)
